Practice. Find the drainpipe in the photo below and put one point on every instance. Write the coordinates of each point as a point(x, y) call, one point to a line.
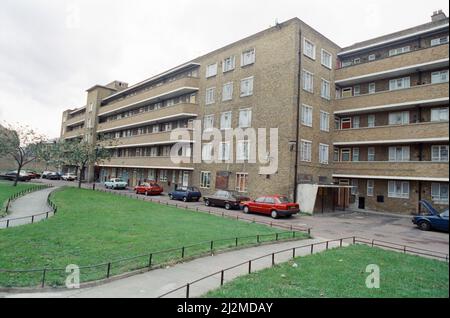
point(297, 128)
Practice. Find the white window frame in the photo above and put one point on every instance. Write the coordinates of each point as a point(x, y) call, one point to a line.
point(372, 88)
point(305, 150)
point(228, 64)
point(307, 115)
point(311, 55)
point(324, 92)
point(211, 70)
point(249, 87)
point(402, 186)
point(208, 122)
point(356, 90)
point(224, 151)
point(400, 50)
point(355, 154)
point(324, 153)
point(441, 150)
point(439, 77)
point(225, 122)
point(371, 57)
point(324, 121)
point(404, 118)
point(345, 92)
point(399, 153)
point(399, 83)
point(308, 81)
point(249, 118)
point(370, 187)
point(371, 154)
point(205, 179)
point(326, 61)
point(438, 41)
point(243, 150)
point(371, 120)
point(356, 122)
point(437, 195)
point(439, 114)
point(244, 177)
point(210, 96)
point(207, 149)
point(227, 91)
point(245, 61)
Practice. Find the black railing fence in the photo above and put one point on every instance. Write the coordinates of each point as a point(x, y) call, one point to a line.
point(56, 276)
point(22, 193)
point(326, 245)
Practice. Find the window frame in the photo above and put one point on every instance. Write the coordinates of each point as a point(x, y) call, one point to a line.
point(305, 52)
point(330, 66)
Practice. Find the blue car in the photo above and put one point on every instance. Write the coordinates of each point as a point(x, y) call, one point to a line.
point(186, 194)
point(434, 220)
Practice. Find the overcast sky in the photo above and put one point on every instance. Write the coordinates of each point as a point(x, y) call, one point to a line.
point(52, 51)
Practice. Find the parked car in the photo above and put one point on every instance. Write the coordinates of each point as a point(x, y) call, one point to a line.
point(186, 194)
point(45, 174)
point(69, 176)
point(11, 175)
point(149, 188)
point(434, 220)
point(227, 199)
point(33, 174)
point(273, 205)
point(53, 176)
point(116, 183)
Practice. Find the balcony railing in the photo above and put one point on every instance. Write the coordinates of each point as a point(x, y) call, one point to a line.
point(420, 169)
point(74, 133)
point(160, 138)
point(75, 120)
point(146, 162)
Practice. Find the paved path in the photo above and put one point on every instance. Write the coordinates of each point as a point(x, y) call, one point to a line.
point(26, 206)
point(157, 282)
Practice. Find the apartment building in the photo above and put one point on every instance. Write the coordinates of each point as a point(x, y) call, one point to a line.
point(364, 126)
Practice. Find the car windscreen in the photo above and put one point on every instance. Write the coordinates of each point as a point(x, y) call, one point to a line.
point(154, 185)
point(117, 180)
point(445, 214)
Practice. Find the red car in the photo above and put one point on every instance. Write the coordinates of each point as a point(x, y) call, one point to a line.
point(148, 189)
point(273, 205)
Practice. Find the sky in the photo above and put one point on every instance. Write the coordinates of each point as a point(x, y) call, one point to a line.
point(52, 51)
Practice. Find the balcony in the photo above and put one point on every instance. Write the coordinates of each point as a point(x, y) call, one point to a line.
point(431, 131)
point(146, 162)
point(174, 112)
point(160, 138)
point(75, 120)
point(385, 99)
point(408, 169)
point(395, 65)
point(175, 88)
point(73, 134)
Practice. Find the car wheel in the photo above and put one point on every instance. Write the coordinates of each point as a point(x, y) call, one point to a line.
point(424, 226)
point(246, 210)
point(227, 206)
point(274, 214)
point(170, 196)
point(137, 192)
point(207, 203)
point(185, 199)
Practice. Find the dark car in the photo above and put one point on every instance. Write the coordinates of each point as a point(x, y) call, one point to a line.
point(434, 220)
point(186, 194)
point(23, 176)
point(227, 199)
point(53, 176)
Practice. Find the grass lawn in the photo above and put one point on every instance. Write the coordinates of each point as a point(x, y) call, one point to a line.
point(7, 190)
point(96, 227)
point(341, 273)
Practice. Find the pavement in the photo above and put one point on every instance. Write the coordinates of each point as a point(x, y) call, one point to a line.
point(22, 209)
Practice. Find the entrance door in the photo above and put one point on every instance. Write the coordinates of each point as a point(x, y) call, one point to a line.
point(185, 178)
point(361, 203)
point(343, 194)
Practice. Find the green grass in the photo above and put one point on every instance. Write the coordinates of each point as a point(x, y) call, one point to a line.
point(95, 227)
point(341, 273)
point(7, 190)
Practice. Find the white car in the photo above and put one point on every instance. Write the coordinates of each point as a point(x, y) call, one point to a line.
point(69, 176)
point(116, 183)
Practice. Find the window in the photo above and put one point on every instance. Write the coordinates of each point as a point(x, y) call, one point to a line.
point(207, 151)
point(372, 88)
point(439, 153)
point(205, 179)
point(347, 92)
point(248, 57)
point(224, 151)
point(324, 121)
point(438, 41)
point(439, 77)
point(208, 122)
point(399, 83)
point(336, 154)
point(243, 150)
point(371, 154)
point(241, 182)
point(325, 91)
point(163, 175)
point(357, 90)
point(323, 153)
point(91, 106)
point(210, 96)
point(308, 81)
point(370, 120)
point(309, 49)
point(371, 57)
point(211, 70)
point(225, 120)
point(228, 64)
point(307, 115)
point(345, 154)
point(154, 152)
point(439, 192)
point(247, 87)
point(346, 123)
point(346, 63)
point(399, 153)
point(399, 50)
point(355, 121)
point(326, 59)
point(357, 60)
point(245, 118)
point(370, 186)
point(398, 189)
point(439, 114)
point(227, 91)
point(355, 156)
point(399, 118)
point(305, 150)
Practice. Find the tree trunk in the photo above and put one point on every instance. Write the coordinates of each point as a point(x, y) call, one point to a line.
point(79, 179)
point(17, 176)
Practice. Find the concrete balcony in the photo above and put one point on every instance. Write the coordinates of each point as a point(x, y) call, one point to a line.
point(74, 134)
point(421, 132)
point(422, 170)
point(391, 99)
point(175, 88)
point(75, 120)
point(161, 138)
point(146, 162)
point(168, 113)
point(424, 59)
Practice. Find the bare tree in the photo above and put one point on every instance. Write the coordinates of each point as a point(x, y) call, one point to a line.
point(21, 144)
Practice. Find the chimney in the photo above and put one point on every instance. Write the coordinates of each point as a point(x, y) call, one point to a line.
point(438, 16)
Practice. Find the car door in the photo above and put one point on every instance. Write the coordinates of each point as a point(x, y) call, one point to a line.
point(268, 205)
point(442, 221)
point(258, 205)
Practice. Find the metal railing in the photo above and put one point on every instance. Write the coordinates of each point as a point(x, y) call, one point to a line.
point(21, 193)
point(354, 240)
point(151, 260)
